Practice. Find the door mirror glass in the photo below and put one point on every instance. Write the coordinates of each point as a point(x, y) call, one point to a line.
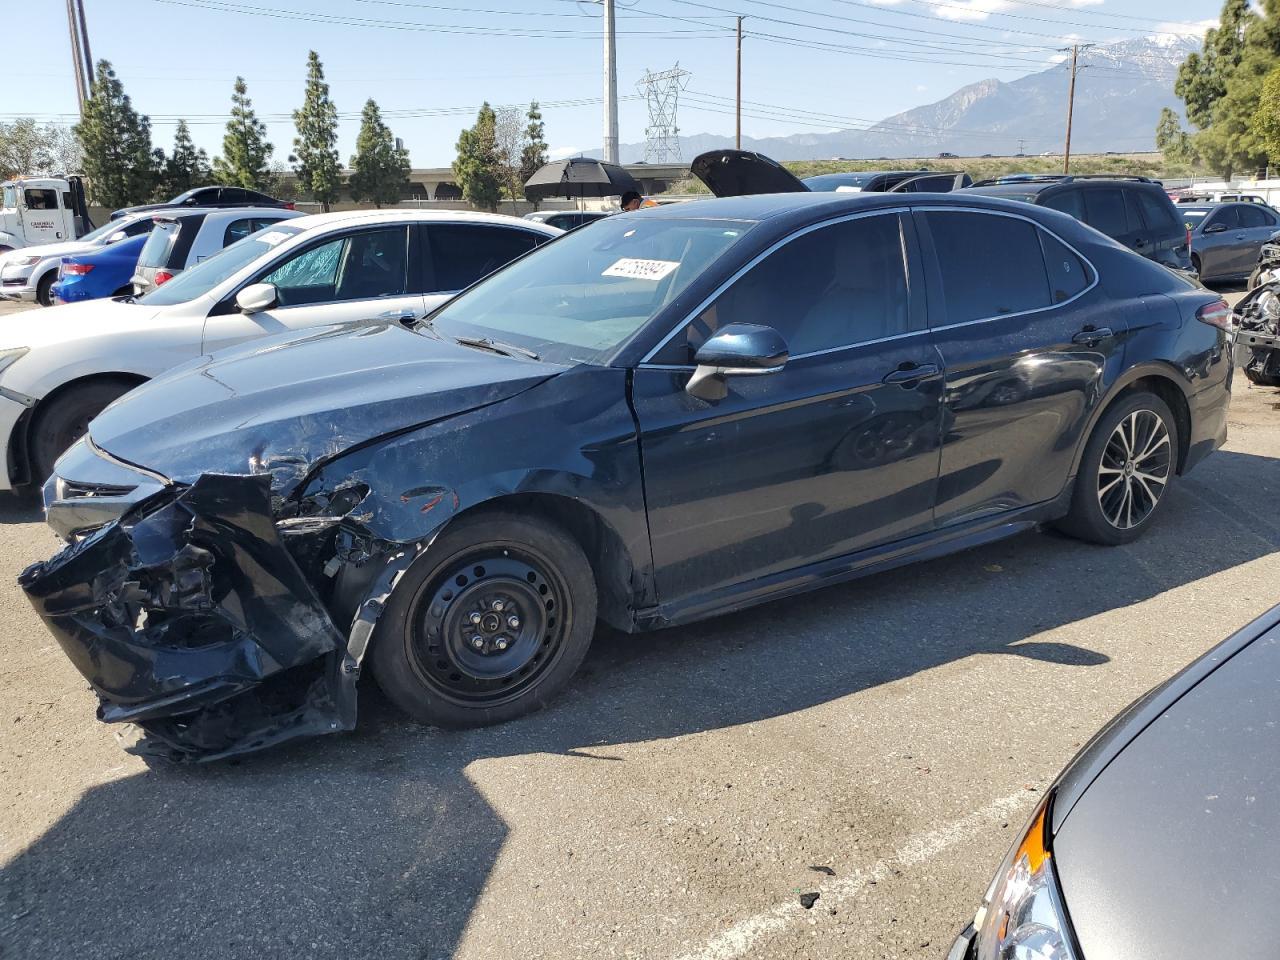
point(738, 349)
point(257, 297)
point(117, 237)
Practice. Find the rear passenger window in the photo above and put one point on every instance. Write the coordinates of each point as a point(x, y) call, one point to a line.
point(1255, 217)
point(1104, 211)
point(1068, 274)
point(238, 230)
point(461, 255)
point(990, 265)
point(1068, 202)
point(1159, 215)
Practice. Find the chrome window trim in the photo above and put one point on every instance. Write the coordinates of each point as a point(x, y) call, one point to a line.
point(1097, 277)
point(689, 317)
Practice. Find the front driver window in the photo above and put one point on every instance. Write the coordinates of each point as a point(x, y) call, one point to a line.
point(357, 267)
point(833, 287)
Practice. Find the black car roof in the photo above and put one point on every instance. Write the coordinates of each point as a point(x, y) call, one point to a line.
point(804, 207)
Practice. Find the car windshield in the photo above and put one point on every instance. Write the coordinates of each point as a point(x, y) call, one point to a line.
point(831, 181)
point(207, 274)
point(579, 298)
point(111, 226)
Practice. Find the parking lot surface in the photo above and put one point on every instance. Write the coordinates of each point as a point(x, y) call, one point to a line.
point(878, 744)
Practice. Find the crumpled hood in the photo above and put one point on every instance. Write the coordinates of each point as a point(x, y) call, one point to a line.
point(280, 406)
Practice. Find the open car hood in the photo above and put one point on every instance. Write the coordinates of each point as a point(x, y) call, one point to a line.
point(283, 405)
point(737, 173)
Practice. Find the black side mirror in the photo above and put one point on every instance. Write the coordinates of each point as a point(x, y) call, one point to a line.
point(1216, 228)
point(736, 350)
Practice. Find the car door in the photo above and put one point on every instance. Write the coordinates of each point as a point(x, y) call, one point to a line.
point(456, 255)
point(42, 216)
point(836, 452)
point(1218, 242)
point(357, 274)
point(1025, 353)
point(1257, 223)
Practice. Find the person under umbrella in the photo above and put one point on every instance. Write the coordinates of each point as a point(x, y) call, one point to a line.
point(631, 201)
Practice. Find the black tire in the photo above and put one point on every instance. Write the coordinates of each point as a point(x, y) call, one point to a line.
point(44, 289)
point(1195, 265)
point(63, 420)
point(1098, 512)
point(438, 664)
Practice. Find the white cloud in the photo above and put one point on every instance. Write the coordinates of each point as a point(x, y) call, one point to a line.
point(981, 9)
point(559, 153)
point(1195, 29)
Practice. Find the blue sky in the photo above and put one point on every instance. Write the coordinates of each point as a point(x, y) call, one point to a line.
point(809, 65)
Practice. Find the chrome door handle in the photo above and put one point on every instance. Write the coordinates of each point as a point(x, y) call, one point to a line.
point(1092, 337)
point(909, 374)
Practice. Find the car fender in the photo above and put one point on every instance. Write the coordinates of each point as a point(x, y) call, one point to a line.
point(1150, 368)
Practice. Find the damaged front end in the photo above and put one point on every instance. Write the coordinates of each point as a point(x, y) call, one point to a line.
point(1257, 335)
point(191, 617)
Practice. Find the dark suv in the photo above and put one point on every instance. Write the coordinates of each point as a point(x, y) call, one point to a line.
point(1132, 210)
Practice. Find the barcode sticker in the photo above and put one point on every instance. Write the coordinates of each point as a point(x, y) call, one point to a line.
point(641, 269)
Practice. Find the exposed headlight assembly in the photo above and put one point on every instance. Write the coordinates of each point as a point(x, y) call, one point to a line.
point(1269, 306)
point(7, 357)
point(1022, 917)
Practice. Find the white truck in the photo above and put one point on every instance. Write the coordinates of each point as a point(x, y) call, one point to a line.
point(42, 210)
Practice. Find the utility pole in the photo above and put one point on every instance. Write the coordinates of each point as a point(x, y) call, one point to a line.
point(738, 111)
point(84, 46)
point(77, 55)
point(1071, 101)
point(610, 85)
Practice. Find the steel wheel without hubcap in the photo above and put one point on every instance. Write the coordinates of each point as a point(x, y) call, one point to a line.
point(1135, 468)
point(489, 627)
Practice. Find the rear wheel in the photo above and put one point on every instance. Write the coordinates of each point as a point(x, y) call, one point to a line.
point(1195, 265)
point(62, 421)
point(490, 623)
point(44, 289)
point(1125, 472)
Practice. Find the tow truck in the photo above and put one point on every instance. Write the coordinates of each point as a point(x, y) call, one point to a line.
point(35, 210)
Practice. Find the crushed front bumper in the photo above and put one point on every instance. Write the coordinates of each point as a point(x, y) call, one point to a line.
point(190, 618)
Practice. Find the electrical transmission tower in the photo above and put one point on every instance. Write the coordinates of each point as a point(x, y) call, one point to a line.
point(661, 92)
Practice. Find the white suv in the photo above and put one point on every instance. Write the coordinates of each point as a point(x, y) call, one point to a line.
point(59, 371)
point(183, 239)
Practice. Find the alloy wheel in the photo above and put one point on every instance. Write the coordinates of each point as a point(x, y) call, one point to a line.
point(1135, 468)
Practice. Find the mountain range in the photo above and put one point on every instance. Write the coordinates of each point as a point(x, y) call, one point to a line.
point(1119, 94)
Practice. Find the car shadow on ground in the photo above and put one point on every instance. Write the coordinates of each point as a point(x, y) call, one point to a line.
point(25, 507)
point(379, 844)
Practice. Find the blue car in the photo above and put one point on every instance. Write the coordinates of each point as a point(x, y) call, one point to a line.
point(92, 276)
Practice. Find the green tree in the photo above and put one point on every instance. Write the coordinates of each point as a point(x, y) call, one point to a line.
point(315, 154)
point(380, 169)
point(1171, 139)
point(116, 144)
point(478, 167)
point(246, 154)
point(187, 166)
point(534, 154)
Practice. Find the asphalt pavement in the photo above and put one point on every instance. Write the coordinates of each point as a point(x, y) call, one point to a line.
point(878, 744)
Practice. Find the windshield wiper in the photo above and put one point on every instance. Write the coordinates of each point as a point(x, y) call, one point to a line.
point(497, 346)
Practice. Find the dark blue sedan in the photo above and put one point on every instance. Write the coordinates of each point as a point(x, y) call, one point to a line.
point(92, 276)
point(676, 413)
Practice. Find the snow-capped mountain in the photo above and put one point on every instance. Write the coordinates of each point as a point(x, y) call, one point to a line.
point(1119, 95)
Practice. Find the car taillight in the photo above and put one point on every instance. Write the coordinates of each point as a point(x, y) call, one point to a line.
point(289, 205)
point(1217, 314)
point(162, 276)
point(76, 269)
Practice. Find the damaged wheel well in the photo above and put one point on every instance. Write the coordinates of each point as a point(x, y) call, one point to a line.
point(610, 560)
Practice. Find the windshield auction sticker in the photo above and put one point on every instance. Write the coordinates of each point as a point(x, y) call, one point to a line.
point(640, 269)
point(272, 238)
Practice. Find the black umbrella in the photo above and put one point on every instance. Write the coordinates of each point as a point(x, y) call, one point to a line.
point(579, 177)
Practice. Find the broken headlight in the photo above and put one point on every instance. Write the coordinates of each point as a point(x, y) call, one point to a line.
point(1269, 306)
point(1022, 917)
